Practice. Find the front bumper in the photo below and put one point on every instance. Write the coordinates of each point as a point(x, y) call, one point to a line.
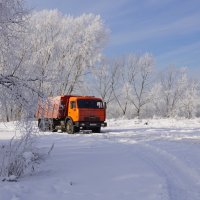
point(90, 124)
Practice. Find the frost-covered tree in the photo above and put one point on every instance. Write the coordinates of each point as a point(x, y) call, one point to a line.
point(15, 81)
point(120, 88)
point(139, 79)
point(173, 84)
point(48, 53)
point(125, 82)
point(190, 99)
point(107, 80)
point(63, 48)
point(16, 84)
point(103, 78)
point(11, 14)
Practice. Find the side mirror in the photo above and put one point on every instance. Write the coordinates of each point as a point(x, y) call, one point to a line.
point(105, 105)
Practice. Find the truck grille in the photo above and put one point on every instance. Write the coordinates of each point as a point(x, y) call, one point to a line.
point(92, 119)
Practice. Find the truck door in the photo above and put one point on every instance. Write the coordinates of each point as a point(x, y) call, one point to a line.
point(73, 111)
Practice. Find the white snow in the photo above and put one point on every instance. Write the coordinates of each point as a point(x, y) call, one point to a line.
point(127, 161)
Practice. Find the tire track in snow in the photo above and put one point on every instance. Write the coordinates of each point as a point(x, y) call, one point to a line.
point(181, 182)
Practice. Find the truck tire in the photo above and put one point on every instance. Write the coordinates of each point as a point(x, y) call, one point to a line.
point(42, 125)
point(52, 126)
point(70, 127)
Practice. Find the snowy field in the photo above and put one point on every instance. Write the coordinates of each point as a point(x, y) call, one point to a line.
point(129, 160)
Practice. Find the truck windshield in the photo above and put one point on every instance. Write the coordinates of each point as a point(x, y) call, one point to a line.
point(90, 103)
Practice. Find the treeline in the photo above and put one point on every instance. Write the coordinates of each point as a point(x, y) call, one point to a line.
point(47, 53)
point(133, 88)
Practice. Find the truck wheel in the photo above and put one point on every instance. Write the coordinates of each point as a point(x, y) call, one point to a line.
point(70, 127)
point(96, 130)
point(42, 125)
point(52, 126)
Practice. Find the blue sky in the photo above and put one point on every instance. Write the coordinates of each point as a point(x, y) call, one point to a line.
point(169, 29)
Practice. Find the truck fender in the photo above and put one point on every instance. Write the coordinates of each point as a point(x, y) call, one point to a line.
point(67, 119)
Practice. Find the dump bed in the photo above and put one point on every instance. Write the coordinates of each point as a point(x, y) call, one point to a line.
point(53, 107)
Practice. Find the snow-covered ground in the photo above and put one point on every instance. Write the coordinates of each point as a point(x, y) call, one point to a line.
point(129, 160)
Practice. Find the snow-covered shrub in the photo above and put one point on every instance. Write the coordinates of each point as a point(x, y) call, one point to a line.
point(19, 156)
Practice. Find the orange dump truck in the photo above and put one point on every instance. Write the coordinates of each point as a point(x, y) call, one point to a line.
point(71, 114)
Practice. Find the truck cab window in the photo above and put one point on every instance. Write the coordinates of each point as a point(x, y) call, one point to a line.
point(88, 103)
point(72, 104)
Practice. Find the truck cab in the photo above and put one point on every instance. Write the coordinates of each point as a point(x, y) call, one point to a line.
point(87, 113)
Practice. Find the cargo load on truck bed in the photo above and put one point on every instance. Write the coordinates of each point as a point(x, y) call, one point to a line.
point(71, 113)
